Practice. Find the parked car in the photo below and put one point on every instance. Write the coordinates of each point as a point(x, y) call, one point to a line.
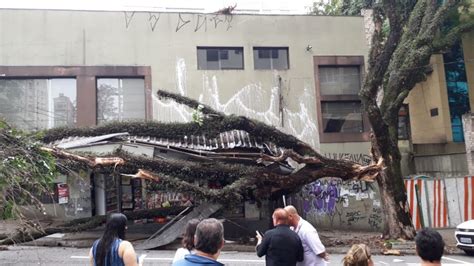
point(465, 237)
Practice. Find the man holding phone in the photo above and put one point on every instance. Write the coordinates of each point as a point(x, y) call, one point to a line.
point(281, 246)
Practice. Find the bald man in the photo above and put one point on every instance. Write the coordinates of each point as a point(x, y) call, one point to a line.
point(314, 251)
point(281, 246)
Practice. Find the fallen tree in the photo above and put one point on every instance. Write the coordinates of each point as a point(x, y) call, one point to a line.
point(35, 230)
point(237, 179)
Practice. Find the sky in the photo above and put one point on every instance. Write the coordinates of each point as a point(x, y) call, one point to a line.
point(205, 6)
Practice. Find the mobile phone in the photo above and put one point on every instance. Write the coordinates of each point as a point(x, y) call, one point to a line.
point(259, 232)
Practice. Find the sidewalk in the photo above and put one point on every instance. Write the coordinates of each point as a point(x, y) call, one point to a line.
point(336, 241)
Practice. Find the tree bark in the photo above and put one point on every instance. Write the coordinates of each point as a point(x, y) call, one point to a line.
point(397, 219)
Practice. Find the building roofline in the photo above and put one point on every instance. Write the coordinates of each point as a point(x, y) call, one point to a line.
point(235, 13)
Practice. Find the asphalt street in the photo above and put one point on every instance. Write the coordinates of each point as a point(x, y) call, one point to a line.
point(73, 256)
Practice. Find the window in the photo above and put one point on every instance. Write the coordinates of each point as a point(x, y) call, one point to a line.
point(342, 116)
point(215, 58)
point(403, 123)
point(270, 58)
point(31, 99)
point(338, 82)
point(458, 89)
point(120, 99)
point(34, 104)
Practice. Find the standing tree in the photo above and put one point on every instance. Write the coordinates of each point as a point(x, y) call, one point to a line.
point(399, 59)
point(407, 33)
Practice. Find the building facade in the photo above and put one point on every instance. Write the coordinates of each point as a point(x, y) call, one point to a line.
point(296, 72)
point(439, 137)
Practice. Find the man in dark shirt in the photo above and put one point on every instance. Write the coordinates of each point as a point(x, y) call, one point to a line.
point(281, 246)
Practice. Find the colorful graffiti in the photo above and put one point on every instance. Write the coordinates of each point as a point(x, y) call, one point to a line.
point(324, 194)
point(331, 203)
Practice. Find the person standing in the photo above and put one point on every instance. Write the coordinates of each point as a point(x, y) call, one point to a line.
point(208, 240)
point(111, 249)
point(314, 250)
point(281, 246)
point(188, 241)
point(429, 246)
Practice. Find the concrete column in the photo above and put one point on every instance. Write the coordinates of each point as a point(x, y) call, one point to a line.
point(99, 188)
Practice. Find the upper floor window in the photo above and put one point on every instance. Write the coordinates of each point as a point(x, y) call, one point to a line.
point(215, 58)
point(270, 58)
point(34, 104)
point(120, 99)
point(338, 82)
point(345, 115)
point(404, 123)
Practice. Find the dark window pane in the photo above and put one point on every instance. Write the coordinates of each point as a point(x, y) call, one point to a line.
point(403, 123)
point(33, 104)
point(339, 80)
point(234, 60)
point(270, 58)
point(280, 61)
point(120, 100)
point(264, 53)
point(274, 53)
point(220, 58)
point(224, 54)
point(458, 89)
point(342, 117)
point(260, 61)
point(212, 55)
point(402, 127)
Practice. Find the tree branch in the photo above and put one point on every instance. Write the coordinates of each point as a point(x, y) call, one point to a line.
point(317, 167)
point(252, 126)
point(450, 38)
point(91, 162)
point(189, 102)
point(229, 194)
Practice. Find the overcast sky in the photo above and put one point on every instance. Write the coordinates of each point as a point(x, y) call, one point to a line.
point(263, 6)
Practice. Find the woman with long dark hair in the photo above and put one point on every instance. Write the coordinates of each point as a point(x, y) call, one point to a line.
point(111, 249)
point(188, 241)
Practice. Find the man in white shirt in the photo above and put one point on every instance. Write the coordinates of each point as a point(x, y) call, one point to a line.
point(314, 251)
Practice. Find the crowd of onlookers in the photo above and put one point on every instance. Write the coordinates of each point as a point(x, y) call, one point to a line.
point(292, 241)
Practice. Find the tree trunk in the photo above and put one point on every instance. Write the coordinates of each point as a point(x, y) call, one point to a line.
point(82, 224)
point(397, 220)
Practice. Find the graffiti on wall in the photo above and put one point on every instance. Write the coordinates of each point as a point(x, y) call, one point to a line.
point(323, 195)
point(375, 218)
point(360, 158)
point(253, 100)
point(198, 22)
point(342, 204)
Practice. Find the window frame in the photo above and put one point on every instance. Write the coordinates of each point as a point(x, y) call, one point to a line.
point(404, 112)
point(219, 49)
point(271, 49)
point(118, 78)
point(345, 102)
point(48, 80)
point(339, 61)
point(86, 87)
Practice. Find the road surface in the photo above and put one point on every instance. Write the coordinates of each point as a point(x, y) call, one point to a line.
point(23, 255)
